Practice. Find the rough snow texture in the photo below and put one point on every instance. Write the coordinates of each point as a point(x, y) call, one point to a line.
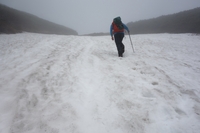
point(77, 84)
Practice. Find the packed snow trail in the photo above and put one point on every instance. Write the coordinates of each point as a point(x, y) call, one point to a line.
point(77, 84)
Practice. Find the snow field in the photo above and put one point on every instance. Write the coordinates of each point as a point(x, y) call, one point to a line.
point(77, 84)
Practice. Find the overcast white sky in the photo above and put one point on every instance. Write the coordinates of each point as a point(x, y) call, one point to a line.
point(88, 16)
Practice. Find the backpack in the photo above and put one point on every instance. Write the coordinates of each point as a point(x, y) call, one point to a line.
point(117, 21)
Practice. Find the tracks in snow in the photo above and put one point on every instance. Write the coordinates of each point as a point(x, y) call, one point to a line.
point(78, 84)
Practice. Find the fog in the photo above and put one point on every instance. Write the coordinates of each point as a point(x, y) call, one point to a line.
point(89, 16)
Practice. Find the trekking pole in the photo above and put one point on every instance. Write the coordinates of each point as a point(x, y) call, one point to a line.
point(131, 43)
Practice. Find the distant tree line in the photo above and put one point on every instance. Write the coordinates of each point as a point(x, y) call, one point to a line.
point(14, 21)
point(183, 22)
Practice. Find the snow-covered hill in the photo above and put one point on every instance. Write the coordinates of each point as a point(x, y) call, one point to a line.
point(77, 84)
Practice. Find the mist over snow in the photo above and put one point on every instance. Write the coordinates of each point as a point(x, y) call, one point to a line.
point(77, 84)
point(94, 16)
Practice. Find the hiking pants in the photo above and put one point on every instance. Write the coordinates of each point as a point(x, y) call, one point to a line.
point(118, 41)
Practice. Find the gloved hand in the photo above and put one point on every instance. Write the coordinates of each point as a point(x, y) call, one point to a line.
point(112, 38)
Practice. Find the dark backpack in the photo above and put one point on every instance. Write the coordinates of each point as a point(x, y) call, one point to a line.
point(118, 23)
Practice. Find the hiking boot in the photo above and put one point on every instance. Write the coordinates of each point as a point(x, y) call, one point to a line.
point(120, 55)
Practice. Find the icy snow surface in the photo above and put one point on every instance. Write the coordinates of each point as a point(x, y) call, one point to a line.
point(77, 84)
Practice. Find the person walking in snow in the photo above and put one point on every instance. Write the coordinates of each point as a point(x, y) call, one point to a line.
point(117, 29)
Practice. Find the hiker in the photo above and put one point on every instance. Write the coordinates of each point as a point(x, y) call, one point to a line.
point(117, 28)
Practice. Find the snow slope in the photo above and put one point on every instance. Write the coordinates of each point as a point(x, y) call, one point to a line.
point(77, 84)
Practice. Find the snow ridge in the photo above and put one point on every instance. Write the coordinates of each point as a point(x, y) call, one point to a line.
point(77, 84)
